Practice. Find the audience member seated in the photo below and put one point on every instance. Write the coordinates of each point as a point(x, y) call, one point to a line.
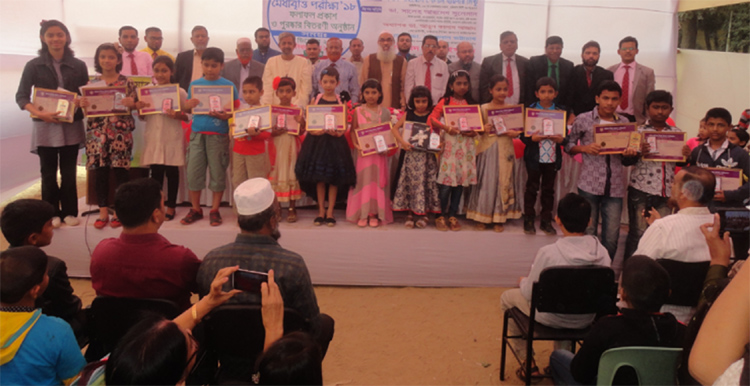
point(29, 222)
point(141, 263)
point(575, 248)
point(256, 248)
point(36, 349)
point(645, 288)
point(678, 237)
point(295, 359)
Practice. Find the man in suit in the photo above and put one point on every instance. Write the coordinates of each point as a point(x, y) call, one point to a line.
point(466, 62)
point(635, 79)
point(551, 65)
point(244, 66)
point(188, 63)
point(507, 63)
point(584, 80)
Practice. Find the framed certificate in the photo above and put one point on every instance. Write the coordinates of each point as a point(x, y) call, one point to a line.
point(614, 138)
point(375, 139)
point(213, 98)
point(665, 146)
point(258, 117)
point(326, 117)
point(282, 116)
point(140, 80)
point(545, 122)
point(105, 101)
point(420, 136)
point(727, 179)
point(506, 119)
point(55, 100)
point(159, 99)
point(466, 118)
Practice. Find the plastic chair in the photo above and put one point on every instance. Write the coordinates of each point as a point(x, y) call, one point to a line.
point(562, 290)
point(110, 319)
point(653, 365)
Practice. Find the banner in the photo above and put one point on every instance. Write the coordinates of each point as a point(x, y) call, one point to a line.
point(454, 21)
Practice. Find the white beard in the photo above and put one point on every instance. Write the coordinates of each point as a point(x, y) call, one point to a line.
point(385, 56)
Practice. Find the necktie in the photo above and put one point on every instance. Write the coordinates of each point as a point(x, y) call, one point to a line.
point(154, 55)
point(133, 67)
point(509, 75)
point(553, 74)
point(428, 76)
point(588, 77)
point(625, 88)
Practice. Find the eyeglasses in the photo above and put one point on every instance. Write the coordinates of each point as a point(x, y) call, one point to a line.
point(627, 49)
point(430, 46)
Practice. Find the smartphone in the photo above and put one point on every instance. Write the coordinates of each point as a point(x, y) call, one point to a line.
point(248, 281)
point(734, 220)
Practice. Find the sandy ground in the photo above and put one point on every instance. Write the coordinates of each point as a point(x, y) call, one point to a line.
point(401, 336)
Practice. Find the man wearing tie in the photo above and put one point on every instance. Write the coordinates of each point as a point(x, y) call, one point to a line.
point(154, 41)
point(133, 62)
point(508, 64)
point(635, 79)
point(551, 65)
point(427, 70)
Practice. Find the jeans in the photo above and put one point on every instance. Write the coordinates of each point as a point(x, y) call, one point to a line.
point(65, 196)
point(173, 181)
point(547, 174)
point(559, 363)
point(450, 198)
point(610, 209)
point(638, 202)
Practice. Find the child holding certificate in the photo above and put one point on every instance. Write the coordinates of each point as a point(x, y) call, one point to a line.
point(325, 161)
point(249, 156)
point(369, 200)
point(282, 176)
point(163, 139)
point(417, 190)
point(457, 164)
point(109, 139)
point(493, 199)
point(543, 158)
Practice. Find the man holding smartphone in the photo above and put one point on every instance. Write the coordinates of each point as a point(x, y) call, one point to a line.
point(256, 249)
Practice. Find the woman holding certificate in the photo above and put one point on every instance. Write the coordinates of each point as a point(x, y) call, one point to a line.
point(57, 128)
point(109, 139)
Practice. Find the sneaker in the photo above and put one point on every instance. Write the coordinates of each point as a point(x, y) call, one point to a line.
point(192, 216)
point(528, 226)
point(215, 218)
point(547, 228)
point(440, 224)
point(454, 224)
point(71, 221)
point(56, 223)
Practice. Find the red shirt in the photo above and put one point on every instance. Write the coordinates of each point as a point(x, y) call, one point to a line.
point(252, 145)
point(144, 266)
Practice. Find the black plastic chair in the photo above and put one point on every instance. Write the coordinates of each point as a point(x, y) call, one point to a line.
point(233, 336)
point(561, 290)
point(686, 281)
point(110, 319)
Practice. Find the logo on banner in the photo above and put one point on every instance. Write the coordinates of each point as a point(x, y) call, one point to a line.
point(319, 19)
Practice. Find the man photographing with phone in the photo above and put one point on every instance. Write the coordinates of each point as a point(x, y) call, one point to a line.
point(256, 249)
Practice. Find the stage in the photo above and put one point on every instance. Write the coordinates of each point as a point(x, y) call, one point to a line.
point(348, 255)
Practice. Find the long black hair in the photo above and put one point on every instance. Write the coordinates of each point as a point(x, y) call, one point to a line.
point(47, 24)
point(449, 87)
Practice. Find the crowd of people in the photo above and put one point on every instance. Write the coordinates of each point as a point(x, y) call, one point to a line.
point(275, 166)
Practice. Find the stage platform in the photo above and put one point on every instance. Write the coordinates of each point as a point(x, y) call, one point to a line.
point(389, 255)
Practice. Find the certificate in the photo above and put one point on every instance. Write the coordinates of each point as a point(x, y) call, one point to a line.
point(326, 117)
point(613, 138)
point(55, 100)
point(664, 146)
point(213, 98)
point(253, 117)
point(283, 117)
point(105, 101)
point(420, 136)
point(544, 122)
point(506, 119)
point(159, 99)
point(374, 139)
point(466, 118)
point(727, 179)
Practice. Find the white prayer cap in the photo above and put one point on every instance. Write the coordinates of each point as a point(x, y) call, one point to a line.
point(244, 40)
point(253, 196)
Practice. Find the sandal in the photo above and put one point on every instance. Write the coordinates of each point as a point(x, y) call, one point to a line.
point(480, 226)
point(215, 218)
point(115, 223)
point(440, 224)
point(192, 216)
point(331, 222)
point(498, 228)
point(100, 223)
point(409, 224)
point(362, 223)
point(454, 224)
point(292, 217)
point(421, 223)
point(374, 222)
point(521, 372)
point(318, 221)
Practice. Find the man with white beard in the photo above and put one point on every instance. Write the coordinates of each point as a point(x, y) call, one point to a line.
point(389, 69)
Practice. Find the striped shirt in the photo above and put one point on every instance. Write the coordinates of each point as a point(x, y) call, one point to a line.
point(677, 237)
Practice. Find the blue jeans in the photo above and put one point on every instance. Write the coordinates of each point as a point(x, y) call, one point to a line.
point(559, 362)
point(639, 201)
point(611, 210)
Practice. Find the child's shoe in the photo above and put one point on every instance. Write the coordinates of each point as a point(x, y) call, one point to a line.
point(546, 227)
point(528, 225)
point(440, 224)
point(454, 224)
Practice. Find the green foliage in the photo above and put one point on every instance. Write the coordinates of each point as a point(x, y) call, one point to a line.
point(709, 29)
